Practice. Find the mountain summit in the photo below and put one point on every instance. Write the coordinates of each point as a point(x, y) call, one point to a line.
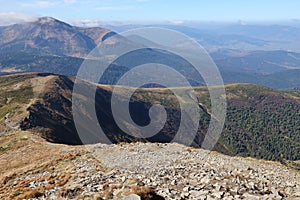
point(48, 20)
point(49, 36)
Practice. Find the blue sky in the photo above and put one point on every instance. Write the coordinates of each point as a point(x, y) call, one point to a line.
point(154, 10)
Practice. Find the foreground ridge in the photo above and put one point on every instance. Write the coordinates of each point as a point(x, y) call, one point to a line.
point(143, 171)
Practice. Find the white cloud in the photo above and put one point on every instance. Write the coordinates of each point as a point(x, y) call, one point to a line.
point(86, 23)
point(177, 22)
point(112, 8)
point(39, 4)
point(100, 23)
point(70, 1)
point(9, 18)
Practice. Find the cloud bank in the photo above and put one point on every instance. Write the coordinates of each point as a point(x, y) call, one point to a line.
point(9, 18)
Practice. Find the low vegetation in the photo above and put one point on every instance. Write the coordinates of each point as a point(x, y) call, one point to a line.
point(260, 122)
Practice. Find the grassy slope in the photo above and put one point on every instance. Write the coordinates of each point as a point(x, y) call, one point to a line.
point(260, 122)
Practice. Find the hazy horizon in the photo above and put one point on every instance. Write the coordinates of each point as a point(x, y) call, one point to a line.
point(116, 12)
point(7, 19)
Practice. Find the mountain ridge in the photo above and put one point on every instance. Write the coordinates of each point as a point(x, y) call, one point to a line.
point(260, 122)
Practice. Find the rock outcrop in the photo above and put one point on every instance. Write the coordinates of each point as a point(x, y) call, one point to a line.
point(152, 171)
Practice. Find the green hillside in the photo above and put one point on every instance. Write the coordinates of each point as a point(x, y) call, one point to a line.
point(260, 122)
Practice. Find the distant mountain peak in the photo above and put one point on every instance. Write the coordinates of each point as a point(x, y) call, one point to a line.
point(46, 19)
point(51, 21)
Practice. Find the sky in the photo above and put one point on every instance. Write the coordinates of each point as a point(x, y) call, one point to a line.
point(174, 11)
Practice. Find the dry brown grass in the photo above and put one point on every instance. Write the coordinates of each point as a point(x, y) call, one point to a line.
point(30, 194)
point(33, 156)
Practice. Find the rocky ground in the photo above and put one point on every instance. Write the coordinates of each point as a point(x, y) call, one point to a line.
point(35, 169)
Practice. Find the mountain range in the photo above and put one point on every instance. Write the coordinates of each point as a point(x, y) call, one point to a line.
point(44, 156)
point(260, 122)
point(50, 45)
